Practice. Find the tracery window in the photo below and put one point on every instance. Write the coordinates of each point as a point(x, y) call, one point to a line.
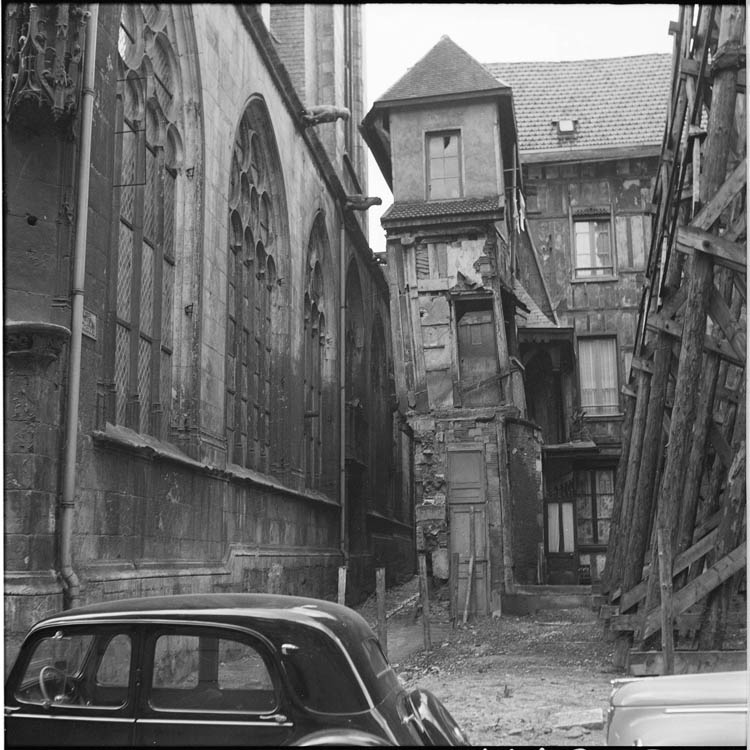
point(252, 291)
point(148, 152)
point(314, 354)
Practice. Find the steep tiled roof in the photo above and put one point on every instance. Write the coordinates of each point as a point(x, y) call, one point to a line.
point(619, 101)
point(445, 70)
point(418, 209)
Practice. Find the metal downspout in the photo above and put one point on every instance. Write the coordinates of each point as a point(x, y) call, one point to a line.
point(71, 584)
point(342, 391)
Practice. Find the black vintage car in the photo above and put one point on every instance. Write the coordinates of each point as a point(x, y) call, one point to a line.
point(214, 670)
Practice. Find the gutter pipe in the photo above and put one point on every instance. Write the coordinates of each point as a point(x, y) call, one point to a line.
point(342, 391)
point(71, 584)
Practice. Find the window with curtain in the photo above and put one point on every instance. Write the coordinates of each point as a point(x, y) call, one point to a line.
point(444, 165)
point(597, 372)
point(147, 151)
point(560, 531)
point(252, 287)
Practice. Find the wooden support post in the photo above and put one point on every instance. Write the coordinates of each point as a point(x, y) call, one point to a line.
point(665, 584)
point(455, 560)
point(380, 597)
point(342, 585)
point(646, 472)
point(425, 602)
point(620, 535)
point(468, 588)
point(506, 514)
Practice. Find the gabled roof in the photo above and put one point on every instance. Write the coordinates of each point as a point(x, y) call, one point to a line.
point(446, 70)
point(618, 102)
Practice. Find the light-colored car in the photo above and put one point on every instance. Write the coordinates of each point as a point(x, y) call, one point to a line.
point(706, 709)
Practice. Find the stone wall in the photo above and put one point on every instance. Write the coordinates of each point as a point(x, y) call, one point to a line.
point(168, 513)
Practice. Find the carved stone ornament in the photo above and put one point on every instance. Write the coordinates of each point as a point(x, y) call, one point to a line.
point(324, 113)
point(31, 344)
point(44, 44)
point(361, 202)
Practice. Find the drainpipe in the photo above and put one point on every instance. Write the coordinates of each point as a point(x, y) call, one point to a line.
point(342, 391)
point(71, 584)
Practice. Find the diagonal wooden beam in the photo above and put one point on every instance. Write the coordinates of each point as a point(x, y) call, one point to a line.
point(729, 254)
point(721, 314)
point(696, 590)
point(683, 560)
point(674, 328)
point(721, 199)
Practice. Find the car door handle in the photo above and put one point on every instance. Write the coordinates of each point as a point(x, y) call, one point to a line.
point(278, 718)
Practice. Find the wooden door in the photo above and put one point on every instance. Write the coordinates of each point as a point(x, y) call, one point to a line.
point(478, 365)
point(468, 527)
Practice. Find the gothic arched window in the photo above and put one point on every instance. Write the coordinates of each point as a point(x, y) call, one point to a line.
point(314, 353)
point(148, 153)
point(252, 297)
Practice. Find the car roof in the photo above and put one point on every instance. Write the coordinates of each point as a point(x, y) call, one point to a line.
point(346, 624)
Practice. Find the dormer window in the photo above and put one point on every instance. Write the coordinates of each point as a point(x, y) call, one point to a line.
point(443, 168)
point(566, 128)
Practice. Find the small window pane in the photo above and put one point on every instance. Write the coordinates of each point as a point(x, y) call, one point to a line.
point(114, 668)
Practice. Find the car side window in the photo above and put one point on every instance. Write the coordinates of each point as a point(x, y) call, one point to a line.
point(321, 677)
point(77, 668)
point(209, 670)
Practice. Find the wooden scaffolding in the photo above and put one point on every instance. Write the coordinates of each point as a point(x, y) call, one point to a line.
point(677, 549)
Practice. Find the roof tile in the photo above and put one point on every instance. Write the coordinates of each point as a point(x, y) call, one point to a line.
point(446, 69)
point(619, 101)
point(418, 209)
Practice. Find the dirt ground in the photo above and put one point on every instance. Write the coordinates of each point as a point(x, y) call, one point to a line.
point(541, 679)
point(516, 680)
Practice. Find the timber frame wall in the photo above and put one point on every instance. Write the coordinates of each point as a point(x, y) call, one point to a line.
point(677, 551)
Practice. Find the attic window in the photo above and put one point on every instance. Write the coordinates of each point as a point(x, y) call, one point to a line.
point(566, 127)
point(443, 167)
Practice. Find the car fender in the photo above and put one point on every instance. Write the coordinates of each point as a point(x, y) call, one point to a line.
point(438, 725)
point(348, 737)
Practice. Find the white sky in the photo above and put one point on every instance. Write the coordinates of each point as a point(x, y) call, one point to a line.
point(399, 34)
